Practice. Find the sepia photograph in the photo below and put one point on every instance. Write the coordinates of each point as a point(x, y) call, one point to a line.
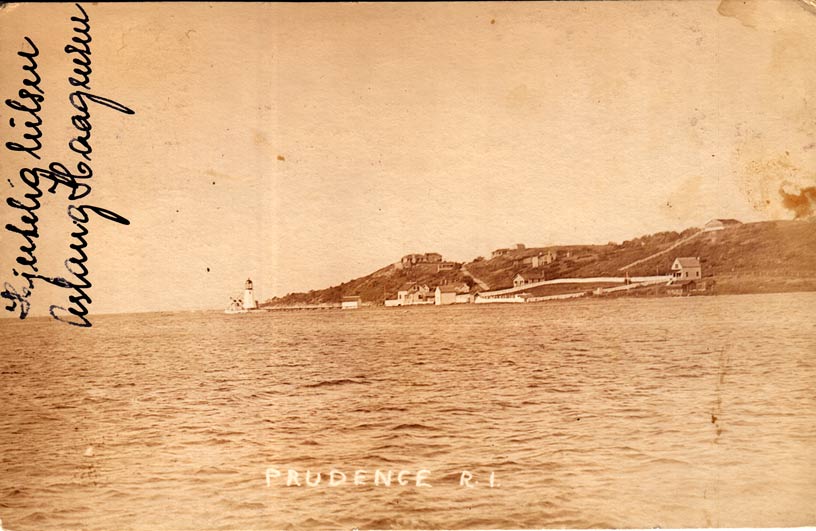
point(407, 265)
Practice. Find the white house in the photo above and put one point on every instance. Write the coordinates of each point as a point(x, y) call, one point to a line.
point(445, 295)
point(686, 268)
point(720, 224)
point(351, 303)
point(526, 277)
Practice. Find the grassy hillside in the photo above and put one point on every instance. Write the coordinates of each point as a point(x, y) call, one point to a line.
point(748, 258)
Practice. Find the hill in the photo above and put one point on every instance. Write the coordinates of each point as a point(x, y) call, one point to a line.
point(746, 258)
point(377, 286)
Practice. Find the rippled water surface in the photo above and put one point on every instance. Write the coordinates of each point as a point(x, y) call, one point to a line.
point(623, 413)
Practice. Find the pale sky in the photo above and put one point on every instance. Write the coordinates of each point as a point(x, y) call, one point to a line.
point(306, 145)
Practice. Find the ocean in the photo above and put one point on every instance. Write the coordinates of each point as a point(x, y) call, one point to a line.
point(670, 412)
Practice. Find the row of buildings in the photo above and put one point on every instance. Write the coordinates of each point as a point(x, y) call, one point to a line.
point(686, 275)
point(414, 294)
point(432, 261)
point(686, 278)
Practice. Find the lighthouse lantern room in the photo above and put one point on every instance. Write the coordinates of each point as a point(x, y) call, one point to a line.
point(249, 296)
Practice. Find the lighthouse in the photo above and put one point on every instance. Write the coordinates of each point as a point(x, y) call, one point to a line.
point(249, 296)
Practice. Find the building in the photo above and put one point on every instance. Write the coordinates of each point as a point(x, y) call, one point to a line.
point(543, 259)
point(464, 298)
point(402, 294)
point(412, 293)
point(446, 266)
point(683, 287)
point(527, 277)
point(720, 224)
point(445, 295)
point(410, 260)
point(351, 302)
point(686, 268)
point(249, 302)
point(499, 252)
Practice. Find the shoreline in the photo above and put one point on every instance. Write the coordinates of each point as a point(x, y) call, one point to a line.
point(648, 292)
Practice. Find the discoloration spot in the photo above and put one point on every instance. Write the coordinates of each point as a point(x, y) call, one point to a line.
point(762, 182)
point(716, 415)
point(281, 158)
point(686, 200)
point(260, 138)
point(521, 99)
point(808, 5)
point(222, 176)
point(741, 10)
point(800, 201)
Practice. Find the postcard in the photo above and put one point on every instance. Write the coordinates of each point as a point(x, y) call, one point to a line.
point(450, 265)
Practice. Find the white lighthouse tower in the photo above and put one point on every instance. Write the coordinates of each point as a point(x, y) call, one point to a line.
point(249, 296)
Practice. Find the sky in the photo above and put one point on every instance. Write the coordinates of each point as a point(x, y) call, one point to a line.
point(306, 145)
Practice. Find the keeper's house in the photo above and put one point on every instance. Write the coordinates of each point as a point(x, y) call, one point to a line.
point(686, 268)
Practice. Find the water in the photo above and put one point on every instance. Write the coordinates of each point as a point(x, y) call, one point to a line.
point(617, 413)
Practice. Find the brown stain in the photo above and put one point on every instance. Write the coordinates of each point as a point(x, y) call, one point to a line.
point(492, 20)
point(763, 181)
point(800, 201)
point(281, 158)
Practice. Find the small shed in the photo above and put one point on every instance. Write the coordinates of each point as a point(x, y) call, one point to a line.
point(445, 295)
point(684, 287)
point(351, 302)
